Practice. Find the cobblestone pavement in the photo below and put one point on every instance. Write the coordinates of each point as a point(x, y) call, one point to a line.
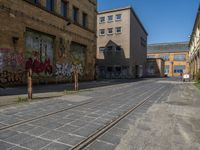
point(81, 115)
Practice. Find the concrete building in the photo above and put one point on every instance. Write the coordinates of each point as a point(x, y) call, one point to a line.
point(195, 47)
point(175, 55)
point(50, 36)
point(155, 67)
point(121, 44)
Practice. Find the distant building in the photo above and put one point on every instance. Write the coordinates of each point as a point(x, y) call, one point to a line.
point(155, 67)
point(175, 55)
point(50, 36)
point(121, 44)
point(195, 46)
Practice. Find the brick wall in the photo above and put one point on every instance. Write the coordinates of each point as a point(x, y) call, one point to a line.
point(19, 17)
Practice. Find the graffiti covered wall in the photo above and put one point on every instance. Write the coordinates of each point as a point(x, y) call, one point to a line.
point(51, 59)
point(39, 53)
point(11, 66)
point(75, 62)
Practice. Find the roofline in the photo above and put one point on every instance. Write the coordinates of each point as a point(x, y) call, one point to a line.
point(168, 43)
point(114, 10)
point(125, 8)
point(168, 52)
point(193, 30)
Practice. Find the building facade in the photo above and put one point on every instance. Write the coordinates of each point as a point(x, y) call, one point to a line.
point(195, 47)
point(121, 44)
point(155, 67)
point(175, 55)
point(52, 37)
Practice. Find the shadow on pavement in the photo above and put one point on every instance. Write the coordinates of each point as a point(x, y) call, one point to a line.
point(18, 90)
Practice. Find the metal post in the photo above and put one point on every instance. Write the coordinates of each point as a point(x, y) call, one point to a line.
point(76, 80)
point(29, 78)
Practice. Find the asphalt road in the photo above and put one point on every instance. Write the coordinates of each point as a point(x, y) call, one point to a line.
point(61, 123)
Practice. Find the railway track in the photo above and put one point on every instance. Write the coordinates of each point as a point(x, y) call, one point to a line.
point(90, 139)
point(65, 109)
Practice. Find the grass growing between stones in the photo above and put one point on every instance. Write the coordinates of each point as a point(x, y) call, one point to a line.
point(22, 99)
point(67, 92)
point(197, 84)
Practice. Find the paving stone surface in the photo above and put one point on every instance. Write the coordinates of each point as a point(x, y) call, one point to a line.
point(67, 128)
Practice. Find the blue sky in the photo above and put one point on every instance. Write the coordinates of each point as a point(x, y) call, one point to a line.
point(164, 20)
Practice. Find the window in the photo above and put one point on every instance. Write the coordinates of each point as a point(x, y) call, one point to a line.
point(64, 8)
point(109, 69)
point(118, 70)
point(180, 57)
point(85, 20)
point(118, 17)
point(75, 14)
point(102, 20)
point(110, 18)
point(110, 30)
point(166, 71)
point(101, 49)
point(50, 5)
point(102, 32)
point(179, 69)
point(165, 57)
point(109, 48)
point(118, 30)
point(151, 56)
point(35, 1)
point(118, 48)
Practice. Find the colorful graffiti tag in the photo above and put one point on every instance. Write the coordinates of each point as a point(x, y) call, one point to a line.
point(38, 66)
point(10, 58)
point(66, 70)
point(39, 53)
point(11, 66)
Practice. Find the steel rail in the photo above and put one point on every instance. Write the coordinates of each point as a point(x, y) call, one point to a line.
point(107, 127)
point(56, 112)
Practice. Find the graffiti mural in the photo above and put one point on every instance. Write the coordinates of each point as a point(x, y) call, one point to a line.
point(39, 53)
point(11, 58)
point(63, 70)
point(7, 77)
point(77, 52)
point(66, 70)
point(11, 66)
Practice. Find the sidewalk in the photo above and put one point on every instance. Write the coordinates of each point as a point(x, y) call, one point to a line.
point(10, 95)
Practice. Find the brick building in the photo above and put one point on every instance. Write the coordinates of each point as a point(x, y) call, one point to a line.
point(121, 44)
point(175, 55)
point(50, 36)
